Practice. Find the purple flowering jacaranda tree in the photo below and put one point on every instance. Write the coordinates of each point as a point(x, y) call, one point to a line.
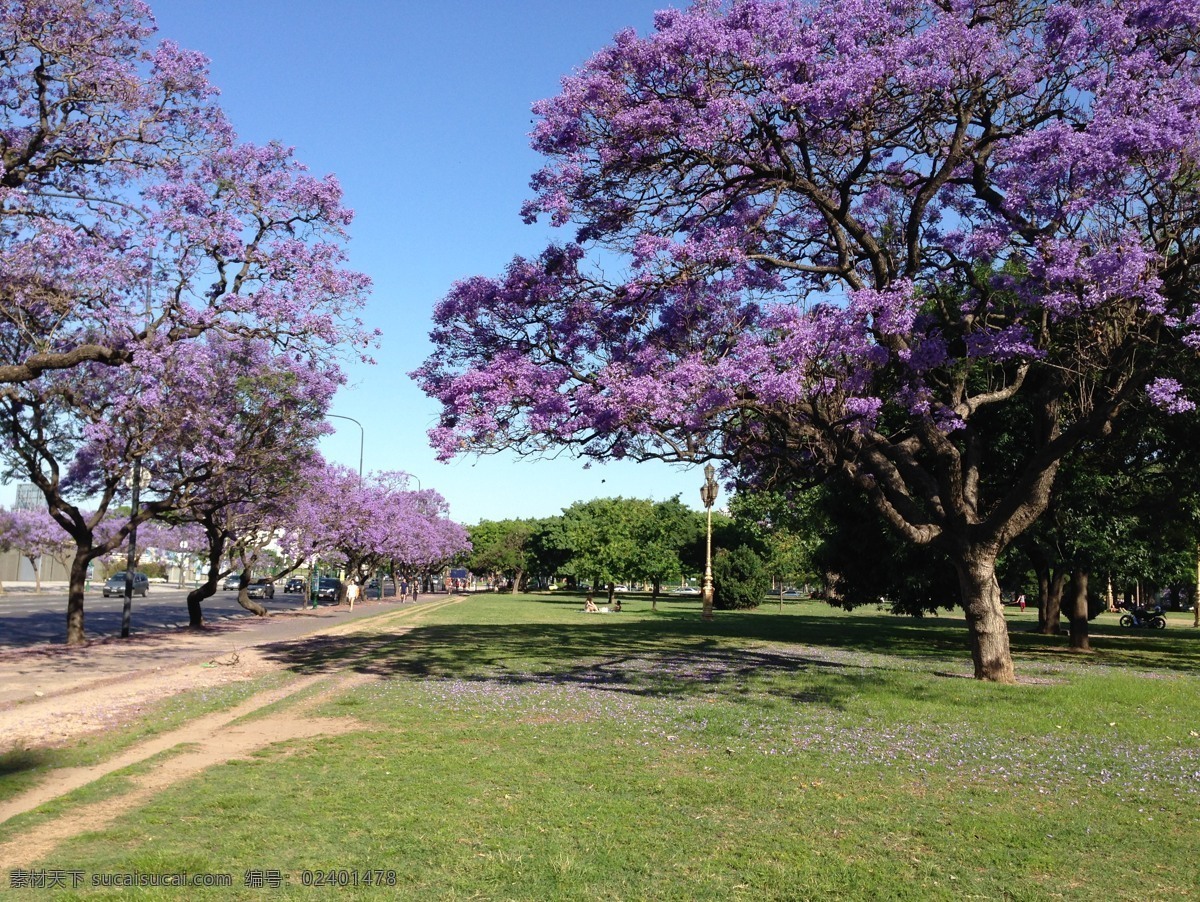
point(848, 237)
point(376, 522)
point(34, 534)
point(209, 424)
point(260, 414)
point(131, 215)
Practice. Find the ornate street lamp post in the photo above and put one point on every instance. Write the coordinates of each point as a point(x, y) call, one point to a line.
point(708, 495)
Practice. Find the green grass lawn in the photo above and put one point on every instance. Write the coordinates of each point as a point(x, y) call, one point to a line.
point(517, 748)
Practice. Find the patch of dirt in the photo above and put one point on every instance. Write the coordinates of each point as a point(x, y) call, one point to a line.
point(61, 718)
point(216, 740)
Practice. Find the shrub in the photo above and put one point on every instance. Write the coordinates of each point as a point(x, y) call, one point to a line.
point(739, 579)
point(154, 569)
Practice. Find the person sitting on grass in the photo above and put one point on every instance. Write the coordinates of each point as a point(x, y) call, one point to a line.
point(617, 606)
point(589, 605)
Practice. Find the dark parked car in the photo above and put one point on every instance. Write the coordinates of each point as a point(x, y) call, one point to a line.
point(328, 588)
point(232, 581)
point(261, 588)
point(115, 584)
point(295, 586)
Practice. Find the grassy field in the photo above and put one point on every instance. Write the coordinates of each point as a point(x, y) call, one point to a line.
point(517, 748)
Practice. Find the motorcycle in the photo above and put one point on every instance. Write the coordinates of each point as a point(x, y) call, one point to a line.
point(1148, 617)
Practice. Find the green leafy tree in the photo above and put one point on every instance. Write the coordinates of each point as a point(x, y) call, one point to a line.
point(503, 548)
point(664, 532)
point(603, 537)
point(1127, 509)
point(786, 526)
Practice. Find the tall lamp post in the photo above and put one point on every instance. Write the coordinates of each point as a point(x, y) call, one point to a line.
point(708, 495)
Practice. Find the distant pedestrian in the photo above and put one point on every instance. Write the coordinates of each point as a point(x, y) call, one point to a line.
point(1021, 602)
point(351, 593)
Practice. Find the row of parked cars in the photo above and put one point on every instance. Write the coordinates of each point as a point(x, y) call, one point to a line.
point(327, 587)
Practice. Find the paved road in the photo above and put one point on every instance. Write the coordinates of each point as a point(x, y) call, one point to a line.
point(30, 619)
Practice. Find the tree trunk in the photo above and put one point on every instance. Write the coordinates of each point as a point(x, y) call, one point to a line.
point(1051, 610)
point(656, 587)
point(250, 604)
point(518, 575)
point(1196, 597)
point(75, 590)
point(244, 599)
point(206, 589)
point(984, 609)
point(194, 600)
point(1077, 610)
point(37, 573)
point(216, 550)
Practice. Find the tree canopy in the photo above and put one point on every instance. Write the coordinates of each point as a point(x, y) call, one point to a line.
point(133, 216)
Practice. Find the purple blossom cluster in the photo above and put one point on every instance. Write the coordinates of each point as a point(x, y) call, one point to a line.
point(1168, 394)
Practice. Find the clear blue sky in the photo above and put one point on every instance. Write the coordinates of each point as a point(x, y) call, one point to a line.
point(422, 110)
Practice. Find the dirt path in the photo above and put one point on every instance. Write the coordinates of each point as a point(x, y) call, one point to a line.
point(212, 739)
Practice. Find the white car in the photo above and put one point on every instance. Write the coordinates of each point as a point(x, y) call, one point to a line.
point(685, 590)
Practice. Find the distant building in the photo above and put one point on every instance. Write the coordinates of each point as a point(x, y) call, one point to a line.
point(29, 498)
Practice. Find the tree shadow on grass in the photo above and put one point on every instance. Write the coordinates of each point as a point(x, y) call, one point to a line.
point(811, 656)
point(1115, 646)
point(671, 654)
point(945, 638)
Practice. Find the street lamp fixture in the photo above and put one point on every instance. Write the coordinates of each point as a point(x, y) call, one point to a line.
point(708, 495)
point(362, 435)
